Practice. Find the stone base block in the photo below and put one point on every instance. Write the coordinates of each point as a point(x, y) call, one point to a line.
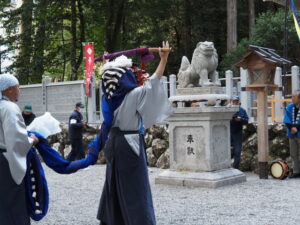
point(213, 179)
point(201, 90)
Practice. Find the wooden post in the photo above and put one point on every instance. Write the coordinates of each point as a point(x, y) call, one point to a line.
point(262, 133)
point(258, 59)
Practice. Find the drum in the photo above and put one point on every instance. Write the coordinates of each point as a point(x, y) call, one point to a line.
point(279, 170)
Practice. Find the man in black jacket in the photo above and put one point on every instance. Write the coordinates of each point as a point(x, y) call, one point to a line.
point(239, 119)
point(76, 125)
point(28, 115)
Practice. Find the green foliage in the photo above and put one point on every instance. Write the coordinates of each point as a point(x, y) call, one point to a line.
point(46, 42)
point(233, 56)
point(268, 32)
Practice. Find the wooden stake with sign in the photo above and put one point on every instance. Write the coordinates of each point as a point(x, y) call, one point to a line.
point(261, 65)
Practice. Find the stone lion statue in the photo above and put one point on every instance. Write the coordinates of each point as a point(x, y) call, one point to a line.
point(203, 66)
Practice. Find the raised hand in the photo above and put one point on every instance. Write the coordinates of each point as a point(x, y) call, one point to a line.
point(163, 60)
point(164, 54)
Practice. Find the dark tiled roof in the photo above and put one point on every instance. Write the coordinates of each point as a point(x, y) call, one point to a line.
point(269, 54)
point(282, 2)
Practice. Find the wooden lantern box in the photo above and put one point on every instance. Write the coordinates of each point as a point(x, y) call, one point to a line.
point(261, 65)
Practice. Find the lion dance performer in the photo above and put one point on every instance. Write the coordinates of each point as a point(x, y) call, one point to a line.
point(126, 198)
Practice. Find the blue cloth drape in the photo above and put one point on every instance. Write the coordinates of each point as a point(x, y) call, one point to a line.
point(35, 177)
point(57, 163)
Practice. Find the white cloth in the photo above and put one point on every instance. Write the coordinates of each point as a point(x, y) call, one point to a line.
point(45, 125)
point(121, 61)
point(7, 81)
point(13, 138)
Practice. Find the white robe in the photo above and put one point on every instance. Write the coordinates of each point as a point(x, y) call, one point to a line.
point(148, 103)
point(13, 138)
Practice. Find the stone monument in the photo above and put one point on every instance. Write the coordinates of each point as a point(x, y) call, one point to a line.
point(200, 136)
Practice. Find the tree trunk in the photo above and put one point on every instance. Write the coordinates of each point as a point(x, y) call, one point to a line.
point(187, 28)
point(231, 24)
point(82, 34)
point(115, 17)
point(39, 45)
point(74, 40)
point(251, 7)
point(24, 58)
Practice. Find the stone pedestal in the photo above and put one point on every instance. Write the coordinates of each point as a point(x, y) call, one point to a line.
point(201, 90)
point(200, 148)
point(213, 179)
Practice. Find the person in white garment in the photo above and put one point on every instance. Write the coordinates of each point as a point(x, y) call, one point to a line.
point(14, 146)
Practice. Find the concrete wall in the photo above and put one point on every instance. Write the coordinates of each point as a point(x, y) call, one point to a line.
point(57, 98)
point(32, 94)
point(62, 97)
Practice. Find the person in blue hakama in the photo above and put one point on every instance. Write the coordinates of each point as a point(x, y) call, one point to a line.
point(126, 198)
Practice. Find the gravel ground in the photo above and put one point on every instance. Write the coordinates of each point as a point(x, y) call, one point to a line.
point(74, 201)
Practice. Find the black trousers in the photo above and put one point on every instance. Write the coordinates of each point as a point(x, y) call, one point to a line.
point(126, 197)
point(236, 144)
point(77, 151)
point(13, 209)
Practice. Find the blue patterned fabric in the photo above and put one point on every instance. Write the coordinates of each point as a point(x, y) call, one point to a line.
point(110, 103)
point(35, 180)
point(37, 195)
point(288, 119)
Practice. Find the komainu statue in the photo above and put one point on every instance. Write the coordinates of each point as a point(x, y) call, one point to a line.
point(203, 66)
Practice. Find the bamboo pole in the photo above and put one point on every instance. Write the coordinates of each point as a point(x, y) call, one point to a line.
point(161, 49)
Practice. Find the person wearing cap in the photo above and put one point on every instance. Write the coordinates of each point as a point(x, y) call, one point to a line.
point(292, 122)
point(14, 146)
point(28, 115)
point(76, 125)
point(239, 119)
